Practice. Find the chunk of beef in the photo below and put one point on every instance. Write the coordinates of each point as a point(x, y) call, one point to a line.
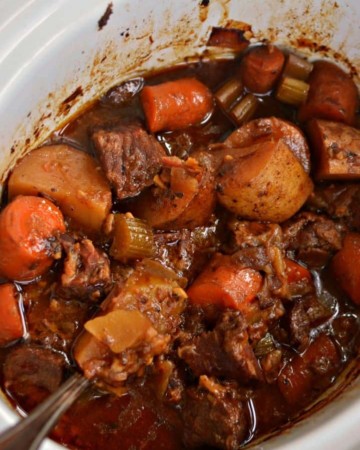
point(187, 141)
point(340, 201)
point(58, 325)
point(180, 249)
point(313, 238)
point(260, 319)
point(129, 156)
point(86, 270)
point(200, 319)
point(346, 329)
point(214, 415)
point(306, 313)
point(223, 352)
point(52, 322)
point(31, 373)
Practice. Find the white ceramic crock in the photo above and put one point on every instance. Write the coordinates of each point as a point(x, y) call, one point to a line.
point(54, 58)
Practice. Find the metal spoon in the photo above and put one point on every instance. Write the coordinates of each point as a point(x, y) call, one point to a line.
point(30, 432)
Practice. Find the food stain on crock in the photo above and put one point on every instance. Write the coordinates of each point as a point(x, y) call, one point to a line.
point(105, 17)
point(203, 10)
point(70, 101)
point(314, 33)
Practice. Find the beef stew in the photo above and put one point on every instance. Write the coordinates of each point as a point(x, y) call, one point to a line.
point(189, 273)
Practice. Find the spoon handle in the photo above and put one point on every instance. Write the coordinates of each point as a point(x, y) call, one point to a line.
point(29, 432)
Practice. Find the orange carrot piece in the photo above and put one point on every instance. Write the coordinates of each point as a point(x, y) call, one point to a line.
point(225, 284)
point(26, 224)
point(333, 95)
point(261, 67)
point(296, 380)
point(11, 323)
point(296, 272)
point(176, 104)
point(345, 267)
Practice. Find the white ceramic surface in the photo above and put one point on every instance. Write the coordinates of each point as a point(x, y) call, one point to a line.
point(50, 48)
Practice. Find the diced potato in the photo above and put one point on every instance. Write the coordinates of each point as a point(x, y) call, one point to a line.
point(267, 184)
point(336, 148)
point(68, 176)
point(120, 329)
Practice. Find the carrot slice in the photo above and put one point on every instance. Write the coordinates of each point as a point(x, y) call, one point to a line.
point(332, 96)
point(11, 323)
point(26, 224)
point(296, 272)
point(261, 68)
point(176, 104)
point(298, 378)
point(226, 284)
point(345, 268)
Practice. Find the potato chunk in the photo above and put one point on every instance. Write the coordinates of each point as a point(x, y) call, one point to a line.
point(272, 128)
point(68, 176)
point(268, 183)
point(121, 329)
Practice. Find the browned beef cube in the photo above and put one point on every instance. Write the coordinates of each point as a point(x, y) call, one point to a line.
point(186, 251)
point(86, 270)
point(214, 415)
point(306, 313)
point(340, 201)
point(223, 352)
point(31, 373)
point(58, 325)
point(313, 238)
point(130, 157)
